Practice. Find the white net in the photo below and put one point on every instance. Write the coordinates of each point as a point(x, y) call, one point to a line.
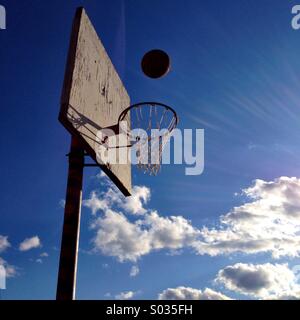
point(152, 125)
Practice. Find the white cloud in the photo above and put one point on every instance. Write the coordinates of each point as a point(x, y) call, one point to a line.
point(135, 203)
point(117, 236)
point(10, 270)
point(134, 271)
point(174, 232)
point(186, 293)
point(112, 197)
point(39, 261)
point(44, 255)
point(263, 281)
point(4, 244)
point(95, 204)
point(103, 178)
point(270, 222)
point(127, 295)
point(30, 243)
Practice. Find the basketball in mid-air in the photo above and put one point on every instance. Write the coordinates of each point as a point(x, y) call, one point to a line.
point(156, 64)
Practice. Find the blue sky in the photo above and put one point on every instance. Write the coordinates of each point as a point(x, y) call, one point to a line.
point(235, 73)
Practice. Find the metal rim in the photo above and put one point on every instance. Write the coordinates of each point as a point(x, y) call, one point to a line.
point(125, 111)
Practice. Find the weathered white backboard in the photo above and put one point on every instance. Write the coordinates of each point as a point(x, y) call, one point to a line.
point(93, 95)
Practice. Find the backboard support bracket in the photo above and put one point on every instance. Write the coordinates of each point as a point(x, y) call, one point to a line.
point(70, 154)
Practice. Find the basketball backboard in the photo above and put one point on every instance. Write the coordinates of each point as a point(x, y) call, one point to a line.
point(93, 96)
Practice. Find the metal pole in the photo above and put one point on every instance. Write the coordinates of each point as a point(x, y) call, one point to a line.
point(66, 284)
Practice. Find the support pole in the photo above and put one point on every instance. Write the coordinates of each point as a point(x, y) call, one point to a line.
point(66, 285)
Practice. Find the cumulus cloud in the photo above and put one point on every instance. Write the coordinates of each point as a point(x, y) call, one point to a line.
point(117, 236)
point(4, 244)
point(112, 197)
point(186, 293)
point(127, 295)
point(134, 271)
point(95, 204)
point(263, 281)
point(269, 222)
point(135, 203)
point(129, 239)
point(30, 243)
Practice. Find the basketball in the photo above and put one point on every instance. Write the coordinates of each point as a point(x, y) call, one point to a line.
point(155, 64)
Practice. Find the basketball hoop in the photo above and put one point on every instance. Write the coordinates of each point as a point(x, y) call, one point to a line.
point(151, 126)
